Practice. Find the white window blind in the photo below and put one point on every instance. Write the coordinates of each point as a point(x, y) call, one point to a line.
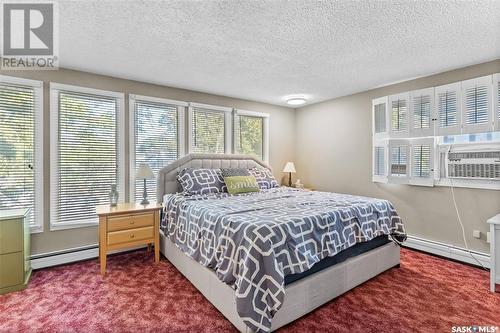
point(399, 161)
point(379, 111)
point(379, 173)
point(399, 115)
point(422, 161)
point(21, 147)
point(422, 102)
point(448, 109)
point(476, 105)
point(209, 129)
point(156, 138)
point(251, 133)
point(86, 152)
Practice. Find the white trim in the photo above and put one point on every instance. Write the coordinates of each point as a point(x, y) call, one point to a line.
point(209, 107)
point(486, 81)
point(54, 90)
point(251, 113)
point(496, 104)
point(228, 132)
point(85, 90)
point(55, 258)
point(385, 134)
point(181, 109)
point(447, 250)
point(21, 81)
point(38, 178)
point(157, 100)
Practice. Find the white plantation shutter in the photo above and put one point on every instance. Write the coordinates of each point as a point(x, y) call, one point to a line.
point(209, 129)
point(422, 162)
point(476, 105)
point(379, 170)
point(156, 138)
point(85, 152)
point(399, 157)
point(380, 118)
point(448, 109)
point(399, 113)
point(251, 133)
point(496, 100)
point(21, 156)
point(421, 106)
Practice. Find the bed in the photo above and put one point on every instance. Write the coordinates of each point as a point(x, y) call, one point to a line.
point(265, 259)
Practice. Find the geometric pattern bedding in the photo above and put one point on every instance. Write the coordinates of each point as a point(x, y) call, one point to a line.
point(252, 241)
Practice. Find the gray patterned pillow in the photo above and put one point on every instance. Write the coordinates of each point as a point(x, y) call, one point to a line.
point(226, 172)
point(264, 177)
point(201, 181)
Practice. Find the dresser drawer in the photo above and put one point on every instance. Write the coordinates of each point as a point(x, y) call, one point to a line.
point(11, 269)
point(131, 235)
point(130, 221)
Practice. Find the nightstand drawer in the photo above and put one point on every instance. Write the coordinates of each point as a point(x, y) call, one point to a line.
point(130, 222)
point(132, 235)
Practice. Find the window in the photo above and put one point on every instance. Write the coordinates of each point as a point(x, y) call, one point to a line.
point(156, 137)
point(399, 155)
point(422, 160)
point(251, 134)
point(379, 162)
point(476, 105)
point(448, 110)
point(399, 115)
point(87, 152)
point(21, 148)
point(422, 102)
point(379, 114)
point(209, 129)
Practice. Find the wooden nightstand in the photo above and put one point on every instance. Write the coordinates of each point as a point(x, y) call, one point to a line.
point(128, 225)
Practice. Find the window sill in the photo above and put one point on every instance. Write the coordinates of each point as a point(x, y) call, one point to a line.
point(75, 225)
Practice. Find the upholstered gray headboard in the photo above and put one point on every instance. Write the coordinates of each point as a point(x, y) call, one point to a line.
point(167, 176)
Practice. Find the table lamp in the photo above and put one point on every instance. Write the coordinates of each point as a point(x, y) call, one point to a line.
point(144, 172)
point(290, 168)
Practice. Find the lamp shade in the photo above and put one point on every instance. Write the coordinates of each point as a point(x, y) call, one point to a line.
point(289, 167)
point(144, 172)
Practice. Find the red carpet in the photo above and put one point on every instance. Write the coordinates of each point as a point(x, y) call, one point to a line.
point(426, 294)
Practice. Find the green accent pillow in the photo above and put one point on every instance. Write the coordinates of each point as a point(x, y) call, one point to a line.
point(241, 184)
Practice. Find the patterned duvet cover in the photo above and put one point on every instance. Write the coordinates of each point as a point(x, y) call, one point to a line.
point(252, 241)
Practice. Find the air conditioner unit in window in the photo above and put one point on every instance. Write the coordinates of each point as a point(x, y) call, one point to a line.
point(473, 162)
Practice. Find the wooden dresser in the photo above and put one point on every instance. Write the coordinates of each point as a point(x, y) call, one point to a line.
point(128, 225)
point(15, 265)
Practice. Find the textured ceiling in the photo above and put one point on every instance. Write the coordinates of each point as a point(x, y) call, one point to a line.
point(265, 50)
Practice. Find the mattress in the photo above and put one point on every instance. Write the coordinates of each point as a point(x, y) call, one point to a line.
point(351, 252)
point(253, 241)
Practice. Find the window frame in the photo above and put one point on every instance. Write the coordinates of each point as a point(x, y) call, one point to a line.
point(420, 132)
point(399, 179)
point(181, 124)
point(54, 90)
point(487, 126)
point(402, 133)
point(228, 132)
point(449, 130)
point(385, 146)
point(423, 181)
point(265, 130)
point(384, 134)
point(38, 157)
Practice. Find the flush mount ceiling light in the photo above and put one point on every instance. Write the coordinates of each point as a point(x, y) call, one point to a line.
point(296, 100)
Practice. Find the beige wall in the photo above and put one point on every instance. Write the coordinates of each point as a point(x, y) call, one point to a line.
point(333, 153)
point(282, 124)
